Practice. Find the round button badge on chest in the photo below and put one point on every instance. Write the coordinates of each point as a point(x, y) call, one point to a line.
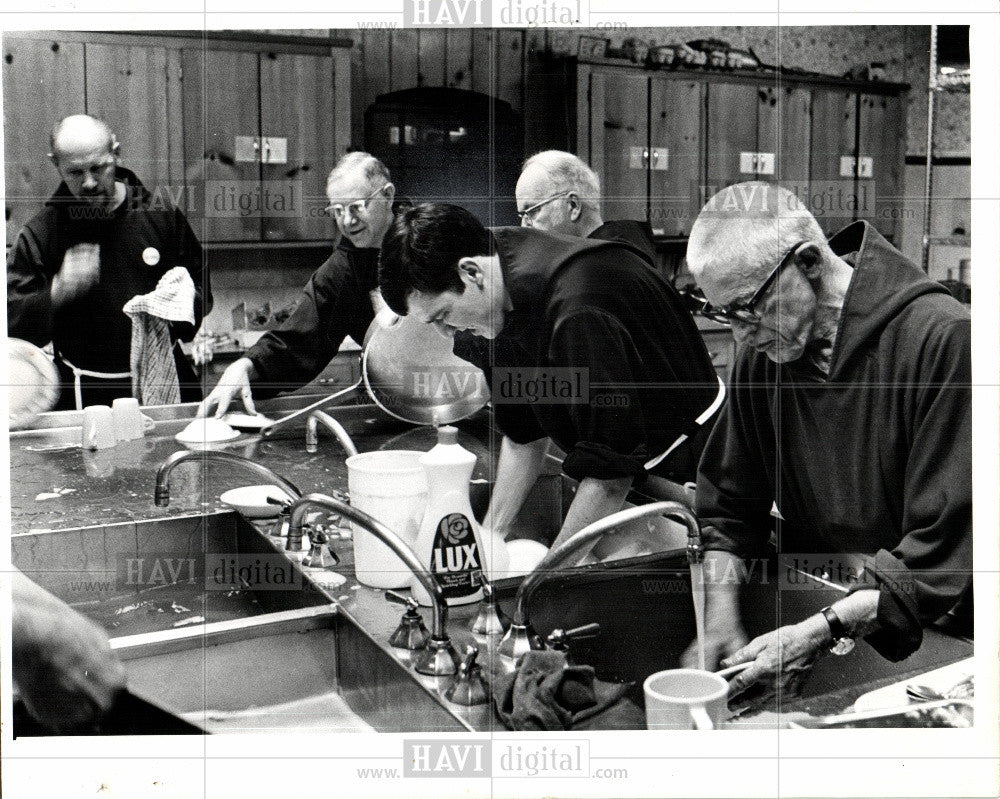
point(151, 256)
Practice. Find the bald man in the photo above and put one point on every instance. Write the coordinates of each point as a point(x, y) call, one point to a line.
point(850, 408)
point(341, 298)
point(559, 193)
point(100, 240)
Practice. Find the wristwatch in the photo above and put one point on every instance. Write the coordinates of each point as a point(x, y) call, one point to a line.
point(841, 642)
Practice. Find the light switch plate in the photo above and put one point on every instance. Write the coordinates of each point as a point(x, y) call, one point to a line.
point(247, 148)
point(748, 163)
point(765, 163)
point(847, 166)
point(660, 159)
point(274, 150)
point(866, 167)
point(637, 157)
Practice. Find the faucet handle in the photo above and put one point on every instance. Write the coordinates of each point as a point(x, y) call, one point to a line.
point(468, 688)
point(402, 599)
point(491, 620)
point(560, 639)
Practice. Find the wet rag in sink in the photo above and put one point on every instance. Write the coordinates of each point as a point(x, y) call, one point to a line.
point(546, 693)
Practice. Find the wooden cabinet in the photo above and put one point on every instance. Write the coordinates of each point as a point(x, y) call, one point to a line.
point(833, 139)
point(619, 142)
point(43, 81)
point(677, 154)
point(685, 134)
point(260, 164)
point(881, 132)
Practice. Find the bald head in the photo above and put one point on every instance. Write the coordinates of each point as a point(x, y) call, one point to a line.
point(81, 132)
point(743, 230)
point(85, 152)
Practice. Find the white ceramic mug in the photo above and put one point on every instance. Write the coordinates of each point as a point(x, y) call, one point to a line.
point(129, 423)
point(685, 699)
point(98, 430)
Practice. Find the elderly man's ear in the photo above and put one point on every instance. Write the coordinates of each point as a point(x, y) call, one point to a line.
point(575, 207)
point(809, 259)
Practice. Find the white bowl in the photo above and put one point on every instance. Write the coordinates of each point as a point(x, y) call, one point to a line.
point(252, 502)
point(203, 432)
point(524, 554)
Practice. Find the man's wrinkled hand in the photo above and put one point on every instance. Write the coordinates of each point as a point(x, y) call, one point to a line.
point(780, 660)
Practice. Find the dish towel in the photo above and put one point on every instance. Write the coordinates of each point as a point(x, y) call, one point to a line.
point(545, 693)
point(154, 372)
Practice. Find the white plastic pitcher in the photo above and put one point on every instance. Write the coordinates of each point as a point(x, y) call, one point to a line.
point(391, 486)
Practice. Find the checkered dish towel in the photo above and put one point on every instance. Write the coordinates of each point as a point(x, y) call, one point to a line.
point(154, 372)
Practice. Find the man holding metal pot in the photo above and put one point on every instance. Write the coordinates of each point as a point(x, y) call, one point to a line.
point(584, 346)
point(341, 298)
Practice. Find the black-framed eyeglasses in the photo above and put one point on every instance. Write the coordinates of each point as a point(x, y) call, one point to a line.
point(746, 312)
point(528, 214)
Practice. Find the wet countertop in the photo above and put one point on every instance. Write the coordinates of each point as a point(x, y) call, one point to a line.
point(57, 485)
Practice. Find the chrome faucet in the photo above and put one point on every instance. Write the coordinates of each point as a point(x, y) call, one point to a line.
point(312, 434)
point(161, 495)
point(439, 657)
point(521, 638)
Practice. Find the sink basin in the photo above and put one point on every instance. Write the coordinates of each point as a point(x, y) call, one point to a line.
point(313, 670)
point(162, 574)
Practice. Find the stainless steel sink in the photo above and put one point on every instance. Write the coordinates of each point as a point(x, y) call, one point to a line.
point(161, 574)
point(308, 670)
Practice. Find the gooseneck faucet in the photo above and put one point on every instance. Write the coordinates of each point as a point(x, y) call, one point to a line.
point(161, 495)
point(312, 434)
point(521, 638)
point(439, 657)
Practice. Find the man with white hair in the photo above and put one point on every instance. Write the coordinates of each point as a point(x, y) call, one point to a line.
point(99, 241)
point(341, 298)
point(850, 408)
point(559, 193)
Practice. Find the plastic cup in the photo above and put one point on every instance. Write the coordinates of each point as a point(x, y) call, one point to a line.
point(391, 486)
point(685, 699)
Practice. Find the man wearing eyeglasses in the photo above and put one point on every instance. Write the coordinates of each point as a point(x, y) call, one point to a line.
point(341, 298)
point(850, 408)
point(558, 192)
point(99, 241)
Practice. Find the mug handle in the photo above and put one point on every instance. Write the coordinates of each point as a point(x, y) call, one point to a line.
point(700, 717)
point(147, 423)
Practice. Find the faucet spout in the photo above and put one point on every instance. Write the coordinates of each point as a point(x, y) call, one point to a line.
point(161, 495)
point(318, 417)
point(520, 637)
point(439, 658)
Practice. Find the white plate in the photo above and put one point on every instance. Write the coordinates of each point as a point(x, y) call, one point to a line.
point(34, 382)
point(252, 502)
point(895, 695)
point(246, 421)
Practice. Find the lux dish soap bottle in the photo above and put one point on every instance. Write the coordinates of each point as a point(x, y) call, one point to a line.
point(449, 542)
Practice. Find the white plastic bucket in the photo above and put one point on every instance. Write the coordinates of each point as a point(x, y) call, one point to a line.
point(391, 486)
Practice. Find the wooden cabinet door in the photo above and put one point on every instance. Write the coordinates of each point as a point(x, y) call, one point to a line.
point(833, 197)
point(882, 137)
point(731, 132)
point(677, 159)
point(783, 130)
point(221, 94)
point(297, 104)
point(619, 140)
point(42, 83)
point(127, 88)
